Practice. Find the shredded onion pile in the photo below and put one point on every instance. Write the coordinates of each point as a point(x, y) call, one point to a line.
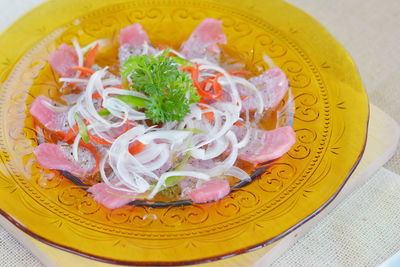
point(166, 145)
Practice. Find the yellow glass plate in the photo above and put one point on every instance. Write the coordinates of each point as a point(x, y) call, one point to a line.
point(330, 120)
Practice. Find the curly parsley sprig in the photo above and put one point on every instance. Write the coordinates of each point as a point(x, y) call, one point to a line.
point(169, 90)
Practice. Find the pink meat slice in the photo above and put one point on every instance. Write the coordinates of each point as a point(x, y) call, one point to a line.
point(63, 60)
point(57, 157)
point(108, 196)
point(133, 35)
point(52, 120)
point(209, 191)
point(204, 39)
point(131, 39)
point(202, 164)
point(273, 85)
point(266, 145)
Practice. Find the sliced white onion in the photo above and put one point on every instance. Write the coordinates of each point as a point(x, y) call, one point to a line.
point(111, 82)
point(122, 110)
point(75, 147)
point(73, 80)
point(177, 53)
point(100, 42)
point(159, 161)
point(117, 91)
point(214, 149)
point(245, 140)
point(135, 173)
point(164, 176)
point(79, 54)
point(151, 152)
point(171, 136)
point(238, 173)
point(248, 85)
point(225, 125)
point(224, 165)
point(128, 170)
point(268, 60)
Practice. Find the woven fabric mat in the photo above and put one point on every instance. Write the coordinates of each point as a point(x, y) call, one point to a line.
point(363, 230)
point(12, 253)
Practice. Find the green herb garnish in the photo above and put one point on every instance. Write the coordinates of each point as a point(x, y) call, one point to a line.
point(169, 90)
point(133, 101)
point(193, 130)
point(83, 131)
point(104, 112)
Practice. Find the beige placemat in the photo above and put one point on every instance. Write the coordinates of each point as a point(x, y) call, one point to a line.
point(12, 253)
point(362, 231)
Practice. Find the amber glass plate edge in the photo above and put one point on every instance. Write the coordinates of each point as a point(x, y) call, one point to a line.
point(203, 260)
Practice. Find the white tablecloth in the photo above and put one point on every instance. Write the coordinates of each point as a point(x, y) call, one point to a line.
point(364, 229)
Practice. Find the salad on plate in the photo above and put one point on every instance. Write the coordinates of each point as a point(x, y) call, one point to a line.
point(169, 124)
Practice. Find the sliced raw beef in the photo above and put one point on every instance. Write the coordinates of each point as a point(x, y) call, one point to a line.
point(53, 120)
point(57, 157)
point(131, 41)
point(201, 164)
point(63, 60)
point(203, 41)
point(265, 145)
point(273, 85)
point(133, 35)
point(109, 197)
point(209, 191)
